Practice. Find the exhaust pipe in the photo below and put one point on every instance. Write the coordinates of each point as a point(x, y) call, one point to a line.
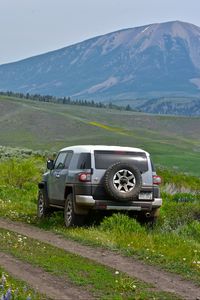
point(148, 215)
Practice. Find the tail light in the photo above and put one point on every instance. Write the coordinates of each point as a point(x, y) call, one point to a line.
point(84, 177)
point(157, 180)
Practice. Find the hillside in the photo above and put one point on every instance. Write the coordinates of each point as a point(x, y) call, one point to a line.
point(149, 61)
point(174, 106)
point(173, 141)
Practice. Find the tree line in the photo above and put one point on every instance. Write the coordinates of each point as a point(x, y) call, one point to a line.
point(65, 100)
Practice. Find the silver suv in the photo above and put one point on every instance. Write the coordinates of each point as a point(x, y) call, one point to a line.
point(85, 178)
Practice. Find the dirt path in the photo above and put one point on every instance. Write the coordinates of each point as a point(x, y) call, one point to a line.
point(42, 282)
point(162, 280)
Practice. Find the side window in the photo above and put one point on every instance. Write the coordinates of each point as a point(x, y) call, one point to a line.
point(84, 161)
point(68, 159)
point(60, 160)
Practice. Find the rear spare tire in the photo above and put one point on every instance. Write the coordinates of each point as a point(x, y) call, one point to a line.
point(122, 181)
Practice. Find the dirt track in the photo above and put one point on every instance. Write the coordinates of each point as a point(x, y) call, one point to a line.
point(43, 282)
point(162, 280)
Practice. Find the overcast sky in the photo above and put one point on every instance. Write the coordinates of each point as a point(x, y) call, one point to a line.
point(31, 27)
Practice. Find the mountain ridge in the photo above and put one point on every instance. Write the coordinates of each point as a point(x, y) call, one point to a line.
point(98, 36)
point(153, 60)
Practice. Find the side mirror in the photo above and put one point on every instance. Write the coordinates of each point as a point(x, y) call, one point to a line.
point(50, 164)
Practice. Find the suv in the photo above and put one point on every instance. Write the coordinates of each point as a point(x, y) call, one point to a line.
point(85, 178)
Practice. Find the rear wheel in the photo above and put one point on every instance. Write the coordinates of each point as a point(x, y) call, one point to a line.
point(70, 217)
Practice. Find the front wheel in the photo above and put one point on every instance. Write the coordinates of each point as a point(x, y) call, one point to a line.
point(70, 218)
point(42, 209)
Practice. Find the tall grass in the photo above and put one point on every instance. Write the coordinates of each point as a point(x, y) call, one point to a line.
point(20, 173)
point(18, 187)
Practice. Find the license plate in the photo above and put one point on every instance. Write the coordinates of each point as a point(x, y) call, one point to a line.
point(145, 196)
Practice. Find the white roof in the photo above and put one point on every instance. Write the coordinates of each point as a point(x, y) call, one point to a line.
point(92, 148)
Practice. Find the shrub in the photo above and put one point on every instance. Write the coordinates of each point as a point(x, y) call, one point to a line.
point(19, 173)
point(9, 152)
point(177, 211)
point(121, 223)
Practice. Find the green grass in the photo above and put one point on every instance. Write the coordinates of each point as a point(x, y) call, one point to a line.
point(18, 289)
point(176, 251)
point(102, 282)
point(174, 244)
point(172, 141)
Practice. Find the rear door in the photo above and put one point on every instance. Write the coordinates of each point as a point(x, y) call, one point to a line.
point(103, 159)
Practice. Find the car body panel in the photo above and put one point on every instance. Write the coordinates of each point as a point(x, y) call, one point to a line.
point(92, 195)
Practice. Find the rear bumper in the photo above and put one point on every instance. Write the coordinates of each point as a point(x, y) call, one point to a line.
point(89, 202)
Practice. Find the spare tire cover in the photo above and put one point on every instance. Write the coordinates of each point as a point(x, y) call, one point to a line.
point(122, 181)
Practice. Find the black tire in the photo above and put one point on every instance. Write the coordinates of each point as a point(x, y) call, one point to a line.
point(70, 217)
point(42, 209)
point(123, 182)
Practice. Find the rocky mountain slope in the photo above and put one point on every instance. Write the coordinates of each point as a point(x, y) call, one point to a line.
point(150, 61)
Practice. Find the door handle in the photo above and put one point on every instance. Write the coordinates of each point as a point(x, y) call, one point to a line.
point(57, 175)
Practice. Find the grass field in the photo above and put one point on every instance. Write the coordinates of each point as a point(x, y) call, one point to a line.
point(174, 244)
point(101, 282)
point(173, 141)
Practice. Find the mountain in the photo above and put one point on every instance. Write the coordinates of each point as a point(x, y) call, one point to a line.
point(155, 60)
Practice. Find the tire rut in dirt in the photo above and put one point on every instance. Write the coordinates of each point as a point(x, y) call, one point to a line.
point(41, 281)
point(162, 280)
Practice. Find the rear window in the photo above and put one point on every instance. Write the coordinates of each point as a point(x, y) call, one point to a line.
point(104, 159)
